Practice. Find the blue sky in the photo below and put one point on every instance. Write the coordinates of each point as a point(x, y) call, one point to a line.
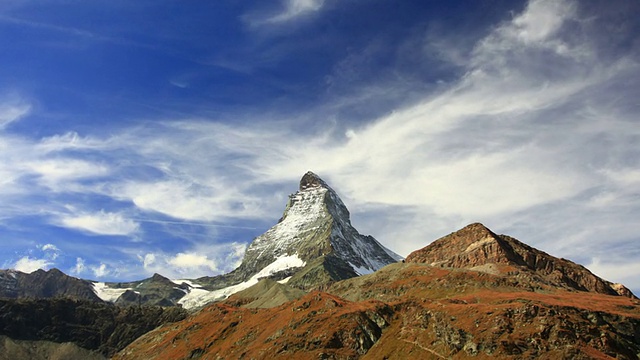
point(159, 136)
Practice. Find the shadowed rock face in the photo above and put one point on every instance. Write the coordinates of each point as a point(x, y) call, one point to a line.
point(44, 284)
point(475, 246)
point(98, 326)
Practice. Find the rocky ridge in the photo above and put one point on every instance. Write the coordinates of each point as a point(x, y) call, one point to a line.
point(476, 247)
point(44, 284)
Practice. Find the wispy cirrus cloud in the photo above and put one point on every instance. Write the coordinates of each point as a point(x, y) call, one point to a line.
point(99, 223)
point(11, 111)
point(289, 11)
point(296, 8)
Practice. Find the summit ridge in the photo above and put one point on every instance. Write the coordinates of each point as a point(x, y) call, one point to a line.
point(310, 180)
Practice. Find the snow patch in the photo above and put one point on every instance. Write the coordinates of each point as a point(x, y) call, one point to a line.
point(475, 245)
point(198, 297)
point(106, 293)
point(360, 270)
point(191, 284)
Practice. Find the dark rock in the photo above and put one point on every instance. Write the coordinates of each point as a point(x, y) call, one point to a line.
point(91, 325)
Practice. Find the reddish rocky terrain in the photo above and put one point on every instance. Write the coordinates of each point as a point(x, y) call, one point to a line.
point(471, 294)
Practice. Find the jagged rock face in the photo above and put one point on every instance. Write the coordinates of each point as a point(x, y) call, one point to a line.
point(316, 223)
point(156, 290)
point(458, 313)
point(44, 284)
point(476, 246)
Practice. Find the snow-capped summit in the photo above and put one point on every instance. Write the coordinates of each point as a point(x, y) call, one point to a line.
point(314, 243)
point(316, 223)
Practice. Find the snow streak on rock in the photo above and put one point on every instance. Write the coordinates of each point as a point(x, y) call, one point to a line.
point(198, 297)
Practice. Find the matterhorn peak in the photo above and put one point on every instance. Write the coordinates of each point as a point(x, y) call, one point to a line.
point(310, 181)
point(313, 244)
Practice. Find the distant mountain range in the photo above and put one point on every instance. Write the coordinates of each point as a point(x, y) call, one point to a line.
point(313, 287)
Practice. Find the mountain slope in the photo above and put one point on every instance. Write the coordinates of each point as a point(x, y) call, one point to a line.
point(92, 325)
point(409, 311)
point(476, 247)
point(469, 295)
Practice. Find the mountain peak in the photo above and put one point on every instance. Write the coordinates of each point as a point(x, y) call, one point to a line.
point(312, 244)
point(477, 248)
point(310, 181)
point(316, 223)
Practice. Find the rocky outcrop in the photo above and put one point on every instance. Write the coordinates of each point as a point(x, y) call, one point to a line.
point(460, 313)
point(156, 290)
point(98, 326)
point(475, 246)
point(43, 284)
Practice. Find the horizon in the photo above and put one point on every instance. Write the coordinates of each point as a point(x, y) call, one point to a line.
point(141, 138)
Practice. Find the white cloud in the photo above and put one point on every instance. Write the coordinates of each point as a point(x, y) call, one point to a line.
point(100, 223)
point(51, 251)
point(192, 260)
point(29, 265)
point(201, 260)
point(80, 266)
point(101, 270)
point(49, 247)
point(12, 111)
point(57, 173)
point(627, 273)
point(541, 19)
point(291, 11)
point(190, 199)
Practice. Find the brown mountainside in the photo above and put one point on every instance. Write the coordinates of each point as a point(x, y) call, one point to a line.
point(475, 247)
point(472, 294)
